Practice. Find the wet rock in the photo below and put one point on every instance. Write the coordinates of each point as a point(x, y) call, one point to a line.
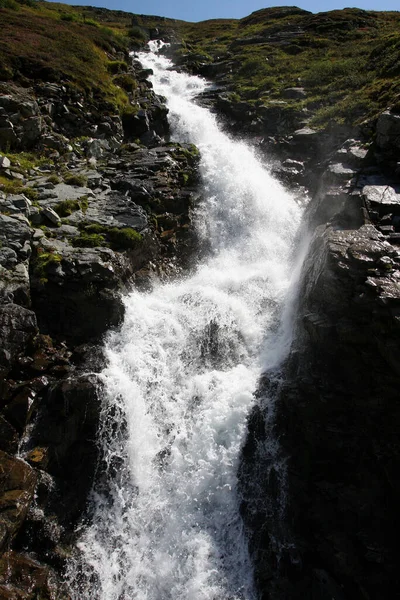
point(22, 578)
point(67, 428)
point(17, 329)
point(20, 409)
point(17, 485)
point(8, 436)
point(336, 420)
point(80, 299)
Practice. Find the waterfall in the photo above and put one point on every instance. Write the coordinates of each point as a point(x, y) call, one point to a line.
point(180, 380)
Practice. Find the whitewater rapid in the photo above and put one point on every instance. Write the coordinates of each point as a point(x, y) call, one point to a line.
point(180, 381)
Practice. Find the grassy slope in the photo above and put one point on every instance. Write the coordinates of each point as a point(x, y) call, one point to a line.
point(81, 47)
point(348, 61)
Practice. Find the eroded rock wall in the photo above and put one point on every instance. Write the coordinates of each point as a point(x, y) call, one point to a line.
point(90, 205)
point(318, 475)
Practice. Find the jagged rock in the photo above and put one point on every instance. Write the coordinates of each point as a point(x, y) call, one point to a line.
point(382, 198)
point(136, 125)
point(21, 202)
point(22, 578)
point(388, 131)
point(80, 301)
point(67, 427)
point(17, 328)
point(150, 139)
point(51, 215)
point(17, 485)
point(8, 137)
point(31, 131)
point(336, 418)
point(8, 436)
point(56, 142)
point(96, 148)
point(339, 172)
point(5, 162)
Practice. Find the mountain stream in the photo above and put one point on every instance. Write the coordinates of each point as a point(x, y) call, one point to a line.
point(180, 381)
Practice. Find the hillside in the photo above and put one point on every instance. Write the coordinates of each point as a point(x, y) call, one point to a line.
point(340, 66)
point(96, 200)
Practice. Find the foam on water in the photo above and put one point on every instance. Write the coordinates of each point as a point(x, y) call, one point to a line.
point(180, 381)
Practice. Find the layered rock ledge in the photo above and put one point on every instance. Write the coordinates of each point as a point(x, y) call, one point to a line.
point(91, 204)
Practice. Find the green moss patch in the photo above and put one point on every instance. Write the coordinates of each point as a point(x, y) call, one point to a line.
point(117, 238)
point(42, 262)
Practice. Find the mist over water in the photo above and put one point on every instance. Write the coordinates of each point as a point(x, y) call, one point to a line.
point(180, 382)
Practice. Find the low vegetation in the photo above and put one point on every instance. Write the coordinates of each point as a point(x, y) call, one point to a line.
point(347, 61)
point(117, 238)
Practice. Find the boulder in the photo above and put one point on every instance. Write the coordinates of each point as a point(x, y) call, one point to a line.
point(388, 131)
point(294, 93)
point(67, 427)
point(382, 198)
point(17, 486)
point(23, 578)
point(18, 327)
point(8, 436)
point(51, 215)
point(5, 162)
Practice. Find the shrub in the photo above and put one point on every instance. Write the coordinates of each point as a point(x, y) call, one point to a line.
point(68, 17)
point(90, 22)
point(88, 240)
point(126, 82)
point(42, 262)
point(9, 4)
point(54, 179)
point(67, 207)
point(138, 34)
point(95, 234)
point(77, 180)
point(125, 238)
point(117, 66)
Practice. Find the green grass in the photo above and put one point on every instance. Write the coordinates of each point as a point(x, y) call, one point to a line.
point(42, 262)
point(60, 43)
point(345, 55)
point(117, 238)
point(343, 58)
point(75, 180)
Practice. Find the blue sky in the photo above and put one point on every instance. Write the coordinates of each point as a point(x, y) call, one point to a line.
point(200, 10)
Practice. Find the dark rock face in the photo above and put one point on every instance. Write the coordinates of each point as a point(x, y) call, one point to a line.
point(29, 579)
point(318, 474)
point(17, 485)
point(318, 470)
point(67, 427)
point(96, 215)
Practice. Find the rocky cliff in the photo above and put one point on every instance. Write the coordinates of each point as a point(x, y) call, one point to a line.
point(94, 199)
point(321, 508)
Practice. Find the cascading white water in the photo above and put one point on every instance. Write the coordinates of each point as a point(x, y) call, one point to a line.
point(180, 380)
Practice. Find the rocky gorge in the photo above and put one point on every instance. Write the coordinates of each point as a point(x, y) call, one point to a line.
point(94, 201)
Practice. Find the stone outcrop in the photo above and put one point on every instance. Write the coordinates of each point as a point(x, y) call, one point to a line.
point(108, 206)
point(318, 469)
point(101, 203)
